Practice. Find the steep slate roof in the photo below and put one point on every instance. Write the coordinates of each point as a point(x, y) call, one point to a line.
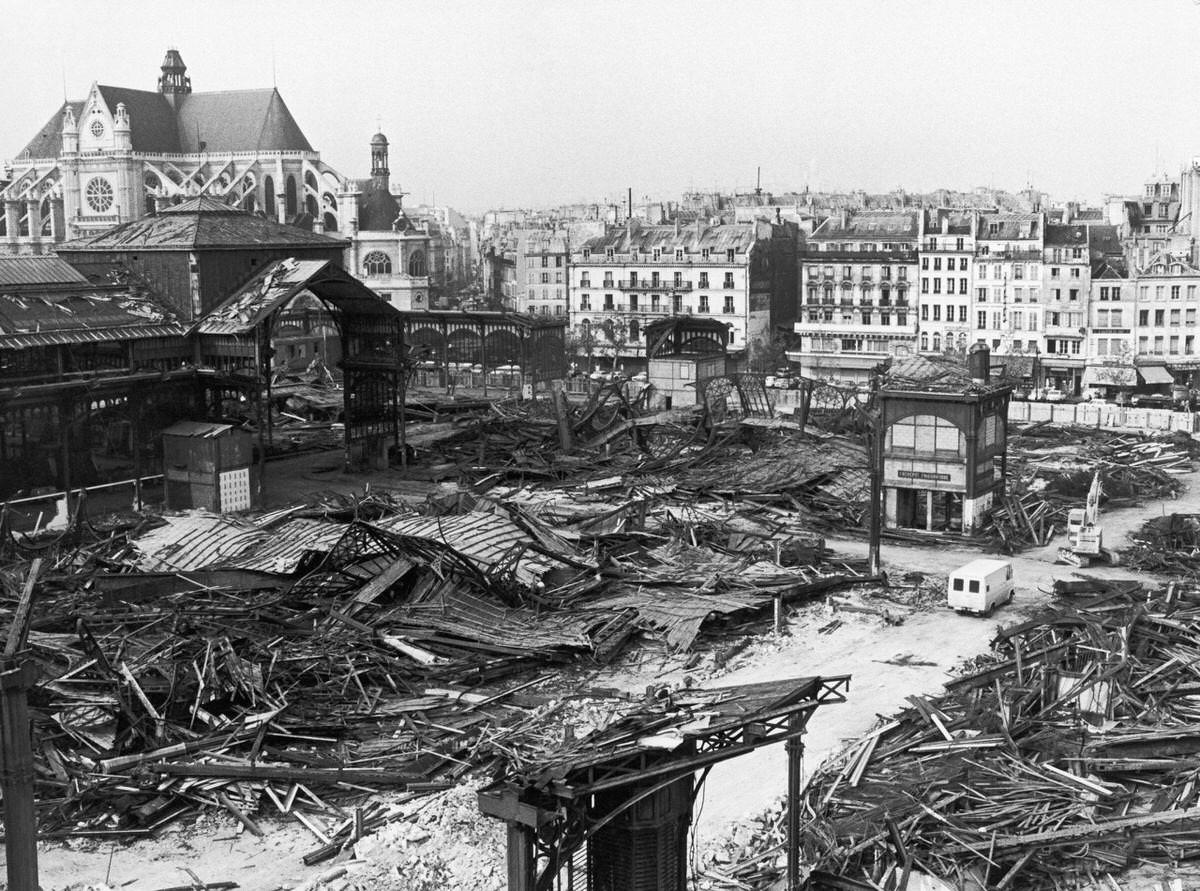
point(959, 221)
point(48, 141)
point(1066, 236)
point(151, 119)
point(225, 121)
point(378, 209)
point(237, 120)
point(202, 222)
point(1010, 226)
point(1105, 240)
point(42, 270)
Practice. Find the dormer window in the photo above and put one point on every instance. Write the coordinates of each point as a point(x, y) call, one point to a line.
point(587, 254)
point(704, 254)
point(608, 253)
point(729, 255)
point(678, 255)
point(657, 254)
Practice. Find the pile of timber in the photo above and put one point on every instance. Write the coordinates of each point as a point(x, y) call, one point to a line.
point(1020, 521)
point(1071, 751)
point(1168, 544)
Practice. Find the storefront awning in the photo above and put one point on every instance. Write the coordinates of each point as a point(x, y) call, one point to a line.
point(1109, 376)
point(1155, 374)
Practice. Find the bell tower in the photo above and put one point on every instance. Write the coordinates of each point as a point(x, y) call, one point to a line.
point(379, 161)
point(174, 82)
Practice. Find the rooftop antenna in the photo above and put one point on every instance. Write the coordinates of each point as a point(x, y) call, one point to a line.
point(758, 182)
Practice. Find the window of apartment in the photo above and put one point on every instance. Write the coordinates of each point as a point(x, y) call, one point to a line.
point(924, 262)
point(703, 303)
point(633, 302)
point(885, 318)
point(1033, 320)
point(729, 279)
point(1019, 295)
point(1054, 270)
point(937, 312)
point(981, 319)
point(1102, 318)
point(1175, 290)
point(1191, 292)
point(531, 293)
point(902, 273)
point(998, 295)
point(657, 254)
point(1144, 292)
point(924, 285)
point(545, 261)
point(924, 312)
point(729, 255)
point(981, 295)
point(1190, 317)
point(1035, 295)
point(729, 304)
point(847, 272)
point(608, 301)
point(937, 286)
point(1143, 317)
point(1074, 294)
point(959, 245)
point(1174, 344)
point(962, 286)
point(937, 341)
point(924, 342)
point(997, 271)
point(1114, 318)
point(545, 278)
point(1159, 318)
point(1019, 271)
point(885, 272)
point(679, 255)
point(585, 302)
point(608, 253)
point(1074, 272)
point(678, 280)
point(1055, 319)
point(558, 310)
point(655, 302)
point(962, 312)
point(655, 279)
point(1115, 292)
point(937, 264)
point(1158, 344)
point(1143, 344)
point(587, 253)
point(1160, 292)
point(1189, 344)
point(1176, 318)
point(704, 253)
point(1056, 295)
point(866, 316)
point(995, 319)
point(704, 279)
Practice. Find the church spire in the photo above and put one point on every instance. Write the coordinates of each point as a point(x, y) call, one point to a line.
point(174, 81)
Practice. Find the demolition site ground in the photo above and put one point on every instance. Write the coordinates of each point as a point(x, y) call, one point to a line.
point(311, 696)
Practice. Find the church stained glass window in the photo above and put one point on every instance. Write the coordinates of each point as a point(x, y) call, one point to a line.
point(99, 194)
point(377, 263)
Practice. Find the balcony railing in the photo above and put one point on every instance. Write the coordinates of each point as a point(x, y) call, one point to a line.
point(640, 285)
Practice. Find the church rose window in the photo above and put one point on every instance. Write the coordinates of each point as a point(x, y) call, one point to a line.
point(377, 263)
point(99, 194)
point(97, 128)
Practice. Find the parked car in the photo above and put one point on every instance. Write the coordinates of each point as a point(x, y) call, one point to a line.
point(1154, 400)
point(1053, 394)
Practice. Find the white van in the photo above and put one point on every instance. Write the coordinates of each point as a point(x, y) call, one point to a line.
point(979, 586)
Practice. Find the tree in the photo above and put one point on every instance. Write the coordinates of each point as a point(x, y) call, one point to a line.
point(581, 342)
point(617, 336)
point(770, 354)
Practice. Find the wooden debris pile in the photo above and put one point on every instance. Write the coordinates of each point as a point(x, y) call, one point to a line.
point(1168, 544)
point(1073, 749)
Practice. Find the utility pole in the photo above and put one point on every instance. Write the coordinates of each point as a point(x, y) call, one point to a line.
point(17, 675)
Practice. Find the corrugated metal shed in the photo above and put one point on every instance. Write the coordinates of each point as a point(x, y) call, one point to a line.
point(202, 540)
point(38, 271)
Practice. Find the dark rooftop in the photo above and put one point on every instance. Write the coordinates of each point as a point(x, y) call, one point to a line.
point(202, 222)
point(44, 270)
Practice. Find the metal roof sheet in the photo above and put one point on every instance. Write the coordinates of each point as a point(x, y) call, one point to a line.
point(80, 315)
point(203, 429)
point(43, 270)
point(88, 335)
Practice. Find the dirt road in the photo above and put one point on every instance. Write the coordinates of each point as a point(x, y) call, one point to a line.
point(859, 647)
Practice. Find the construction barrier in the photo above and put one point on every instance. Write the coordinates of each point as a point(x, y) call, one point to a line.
point(1102, 414)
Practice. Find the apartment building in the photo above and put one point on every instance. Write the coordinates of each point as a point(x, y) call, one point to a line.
point(541, 258)
point(1066, 290)
point(947, 271)
point(1165, 293)
point(858, 275)
point(1008, 282)
point(635, 274)
point(1111, 343)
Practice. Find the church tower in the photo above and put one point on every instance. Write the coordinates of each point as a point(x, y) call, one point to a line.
point(174, 82)
point(379, 161)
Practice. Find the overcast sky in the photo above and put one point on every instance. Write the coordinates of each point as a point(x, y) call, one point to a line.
point(525, 104)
